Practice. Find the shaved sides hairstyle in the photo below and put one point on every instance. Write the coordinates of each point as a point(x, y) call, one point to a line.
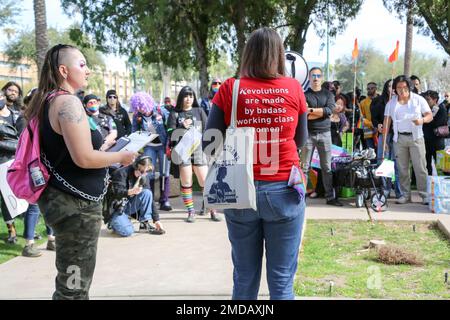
point(50, 80)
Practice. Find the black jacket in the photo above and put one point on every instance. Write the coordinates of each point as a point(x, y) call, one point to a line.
point(439, 119)
point(122, 180)
point(121, 118)
point(9, 138)
point(377, 108)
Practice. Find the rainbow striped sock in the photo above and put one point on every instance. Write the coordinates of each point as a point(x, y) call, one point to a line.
point(186, 194)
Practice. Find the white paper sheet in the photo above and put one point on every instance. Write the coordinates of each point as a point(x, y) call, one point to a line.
point(139, 140)
point(15, 205)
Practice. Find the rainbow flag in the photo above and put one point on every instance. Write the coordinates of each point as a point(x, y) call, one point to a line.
point(360, 124)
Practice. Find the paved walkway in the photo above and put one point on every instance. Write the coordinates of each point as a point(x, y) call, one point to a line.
point(191, 261)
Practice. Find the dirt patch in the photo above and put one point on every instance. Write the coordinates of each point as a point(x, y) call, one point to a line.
point(389, 254)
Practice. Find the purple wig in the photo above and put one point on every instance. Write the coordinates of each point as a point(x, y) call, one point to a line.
point(141, 101)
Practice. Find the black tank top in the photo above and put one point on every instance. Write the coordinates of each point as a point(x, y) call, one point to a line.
point(89, 181)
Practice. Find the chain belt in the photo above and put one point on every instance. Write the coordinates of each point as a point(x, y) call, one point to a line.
point(71, 187)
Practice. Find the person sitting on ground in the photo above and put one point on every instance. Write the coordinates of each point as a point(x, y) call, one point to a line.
point(129, 193)
point(103, 122)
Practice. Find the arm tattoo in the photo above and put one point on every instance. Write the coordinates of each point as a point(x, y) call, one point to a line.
point(70, 112)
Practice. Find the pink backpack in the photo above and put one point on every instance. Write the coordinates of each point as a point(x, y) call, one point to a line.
point(28, 156)
point(27, 169)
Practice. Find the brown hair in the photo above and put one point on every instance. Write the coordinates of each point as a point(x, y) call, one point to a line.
point(50, 80)
point(263, 55)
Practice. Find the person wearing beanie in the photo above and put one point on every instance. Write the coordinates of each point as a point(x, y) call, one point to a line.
point(100, 121)
point(114, 109)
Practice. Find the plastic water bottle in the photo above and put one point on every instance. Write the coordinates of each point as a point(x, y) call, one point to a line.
point(37, 177)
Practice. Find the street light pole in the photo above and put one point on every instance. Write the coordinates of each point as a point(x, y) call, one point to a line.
point(328, 42)
point(21, 76)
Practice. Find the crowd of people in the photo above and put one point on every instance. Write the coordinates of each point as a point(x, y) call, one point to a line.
point(412, 117)
point(86, 187)
point(112, 121)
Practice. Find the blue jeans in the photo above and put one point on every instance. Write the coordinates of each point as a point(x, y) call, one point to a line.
point(277, 225)
point(142, 204)
point(158, 154)
point(387, 182)
point(31, 218)
point(121, 225)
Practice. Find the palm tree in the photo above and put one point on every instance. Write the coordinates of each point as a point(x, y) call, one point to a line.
point(40, 27)
point(409, 38)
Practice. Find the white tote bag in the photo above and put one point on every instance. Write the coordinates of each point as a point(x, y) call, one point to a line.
point(229, 183)
point(187, 146)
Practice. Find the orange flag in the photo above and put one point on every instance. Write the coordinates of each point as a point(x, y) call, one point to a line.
point(394, 56)
point(355, 51)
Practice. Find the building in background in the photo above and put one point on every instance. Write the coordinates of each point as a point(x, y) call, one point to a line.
point(119, 81)
point(25, 73)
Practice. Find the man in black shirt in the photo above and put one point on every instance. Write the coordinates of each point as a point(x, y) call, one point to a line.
point(320, 106)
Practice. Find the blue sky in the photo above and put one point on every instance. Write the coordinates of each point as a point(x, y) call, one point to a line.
point(374, 24)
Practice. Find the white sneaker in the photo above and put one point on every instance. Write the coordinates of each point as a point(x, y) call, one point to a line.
point(402, 200)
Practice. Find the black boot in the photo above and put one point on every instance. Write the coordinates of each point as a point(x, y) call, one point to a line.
point(164, 194)
point(202, 211)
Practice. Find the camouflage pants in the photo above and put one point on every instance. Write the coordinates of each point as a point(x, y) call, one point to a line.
point(76, 224)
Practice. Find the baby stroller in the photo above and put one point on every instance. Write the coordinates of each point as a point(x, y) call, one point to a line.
point(359, 173)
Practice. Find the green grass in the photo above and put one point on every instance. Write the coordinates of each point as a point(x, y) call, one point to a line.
point(356, 273)
point(9, 251)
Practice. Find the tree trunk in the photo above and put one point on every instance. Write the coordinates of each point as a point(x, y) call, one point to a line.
point(202, 57)
point(165, 75)
point(409, 39)
point(40, 25)
point(239, 25)
point(301, 23)
point(204, 75)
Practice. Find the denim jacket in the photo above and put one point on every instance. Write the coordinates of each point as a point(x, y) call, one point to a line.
point(157, 119)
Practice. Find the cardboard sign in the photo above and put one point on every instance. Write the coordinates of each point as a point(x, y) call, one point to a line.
point(15, 205)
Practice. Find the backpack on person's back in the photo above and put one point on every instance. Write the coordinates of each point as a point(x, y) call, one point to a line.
point(28, 176)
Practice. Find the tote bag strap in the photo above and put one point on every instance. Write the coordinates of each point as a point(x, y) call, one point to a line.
point(234, 104)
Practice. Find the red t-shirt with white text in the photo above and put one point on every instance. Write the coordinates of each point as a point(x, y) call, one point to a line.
point(272, 107)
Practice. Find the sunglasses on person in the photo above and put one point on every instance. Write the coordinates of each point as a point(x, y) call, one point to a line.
point(217, 83)
point(112, 97)
point(316, 76)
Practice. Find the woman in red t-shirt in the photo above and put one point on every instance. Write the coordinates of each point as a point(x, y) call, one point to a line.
point(275, 105)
